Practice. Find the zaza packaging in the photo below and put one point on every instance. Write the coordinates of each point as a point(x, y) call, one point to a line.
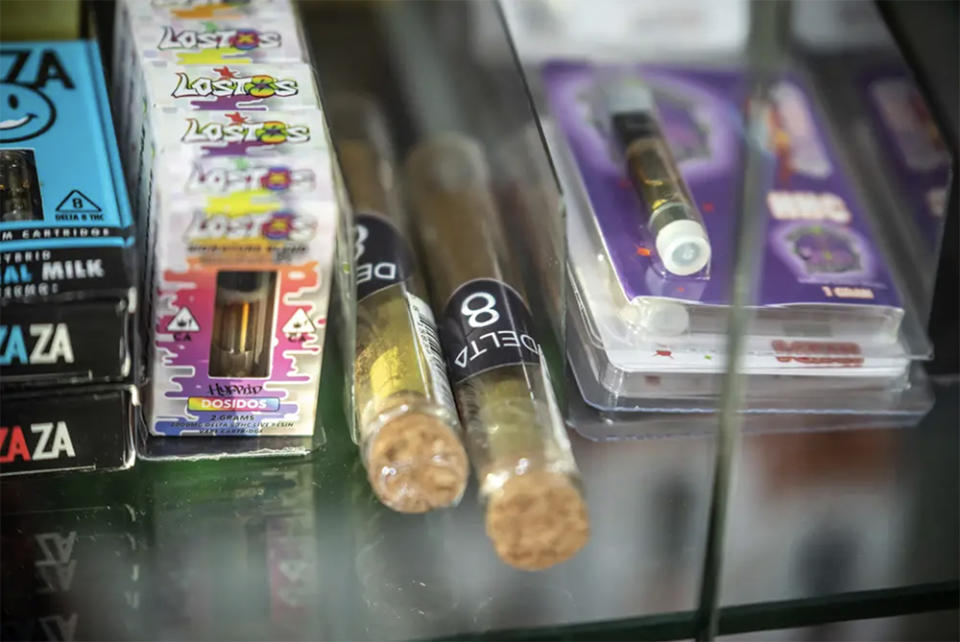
point(67, 265)
point(86, 427)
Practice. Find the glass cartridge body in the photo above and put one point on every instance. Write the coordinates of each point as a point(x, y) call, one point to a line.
point(673, 220)
point(19, 186)
point(536, 514)
point(406, 424)
point(242, 321)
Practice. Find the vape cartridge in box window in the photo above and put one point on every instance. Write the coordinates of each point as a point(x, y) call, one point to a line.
point(67, 266)
point(242, 314)
point(536, 514)
point(238, 314)
point(406, 423)
point(19, 187)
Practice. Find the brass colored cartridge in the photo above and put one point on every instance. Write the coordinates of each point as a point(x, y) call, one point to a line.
point(242, 323)
point(18, 182)
point(674, 221)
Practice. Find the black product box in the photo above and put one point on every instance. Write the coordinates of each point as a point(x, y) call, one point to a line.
point(70, 428)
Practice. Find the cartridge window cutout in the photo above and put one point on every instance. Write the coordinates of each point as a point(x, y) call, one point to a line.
point(242, 324)
point(19, 186)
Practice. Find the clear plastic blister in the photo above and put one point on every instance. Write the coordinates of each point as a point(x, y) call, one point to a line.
point(638, 135)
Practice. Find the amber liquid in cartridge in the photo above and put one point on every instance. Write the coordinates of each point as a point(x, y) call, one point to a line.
point(18, 182)
point(536, 514)
point(406, 425)
point(242, 323)
point(674, 221)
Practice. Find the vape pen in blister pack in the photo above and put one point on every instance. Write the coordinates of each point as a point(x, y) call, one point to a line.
point(536, 514)
point(674, 221)
point(406, 422)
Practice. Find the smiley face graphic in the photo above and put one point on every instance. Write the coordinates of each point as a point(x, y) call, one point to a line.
point(24, 112)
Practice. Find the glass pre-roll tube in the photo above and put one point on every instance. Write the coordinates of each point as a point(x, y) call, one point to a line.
point(536, 514)
point(406, 425)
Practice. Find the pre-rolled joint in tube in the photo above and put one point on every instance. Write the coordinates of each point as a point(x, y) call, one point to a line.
point(416, 463)
point(537, 520)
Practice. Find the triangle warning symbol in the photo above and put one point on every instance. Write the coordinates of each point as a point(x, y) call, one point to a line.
point(77, 201)
point(183, 322)
point(299, 323)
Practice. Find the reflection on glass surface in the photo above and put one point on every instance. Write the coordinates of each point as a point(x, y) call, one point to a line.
point(233, 551)
point(300, 549)
point(826, 513)
point(66, 562)
point(921, 626)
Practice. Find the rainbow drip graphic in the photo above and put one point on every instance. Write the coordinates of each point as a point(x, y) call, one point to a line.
point(195, 290)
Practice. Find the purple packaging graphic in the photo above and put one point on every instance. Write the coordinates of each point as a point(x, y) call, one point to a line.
point(239, 318)
point(817, 248)
point(911, 145)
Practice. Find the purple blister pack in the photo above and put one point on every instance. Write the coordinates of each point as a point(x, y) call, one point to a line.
point(817, 244)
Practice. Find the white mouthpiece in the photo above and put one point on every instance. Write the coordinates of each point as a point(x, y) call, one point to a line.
point(627, 95)
point(683, 247)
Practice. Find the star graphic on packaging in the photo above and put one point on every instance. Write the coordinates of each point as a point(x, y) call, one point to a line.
point(224, 72)
point(237, 118)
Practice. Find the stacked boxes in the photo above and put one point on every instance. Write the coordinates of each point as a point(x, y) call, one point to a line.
point(227, 156)
point(67, 266)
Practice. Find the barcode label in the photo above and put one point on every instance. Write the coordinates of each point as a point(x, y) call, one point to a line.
point(426, 328)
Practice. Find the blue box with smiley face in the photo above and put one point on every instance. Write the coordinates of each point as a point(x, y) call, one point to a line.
point(67, 261)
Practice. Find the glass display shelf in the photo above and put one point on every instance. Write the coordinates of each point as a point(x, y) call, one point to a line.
point(827, 524)
point(823, 527)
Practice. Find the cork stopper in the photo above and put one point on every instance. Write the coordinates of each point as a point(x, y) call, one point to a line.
point(417, 463)
point(537, 519)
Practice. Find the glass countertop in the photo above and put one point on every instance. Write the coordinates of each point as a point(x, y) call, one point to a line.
point(822, 525)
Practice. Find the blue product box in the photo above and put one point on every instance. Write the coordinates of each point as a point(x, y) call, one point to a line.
point(68, 270)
